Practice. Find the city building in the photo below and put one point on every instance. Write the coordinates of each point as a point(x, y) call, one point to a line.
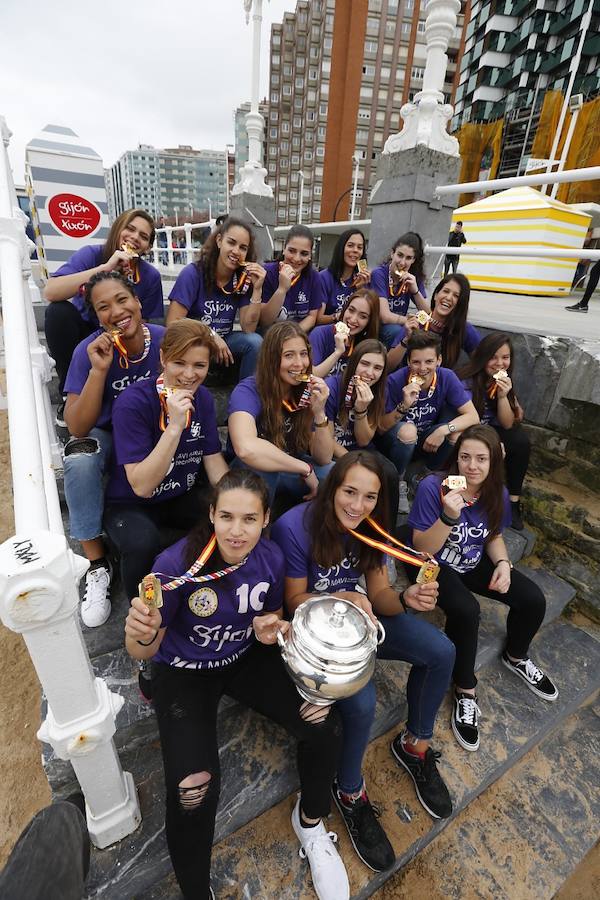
point(241, 135)
point(515, 52)
point(176, 181)
point(340, 70)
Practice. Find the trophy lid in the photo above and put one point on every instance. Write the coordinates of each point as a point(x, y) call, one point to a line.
point(327, 626)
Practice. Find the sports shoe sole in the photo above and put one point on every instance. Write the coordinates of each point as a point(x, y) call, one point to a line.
point(550, 697)
point(356, 850)
point(471, 747)
point(406, 769)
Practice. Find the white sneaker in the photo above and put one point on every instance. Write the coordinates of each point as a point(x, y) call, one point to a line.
point(330, 880)
point(95, 608)
point(403, 504)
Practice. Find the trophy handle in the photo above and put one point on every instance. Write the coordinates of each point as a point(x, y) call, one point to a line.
point(381, 629)
point(281, 642)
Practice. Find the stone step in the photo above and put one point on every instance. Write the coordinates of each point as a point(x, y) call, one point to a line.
point(260, 859)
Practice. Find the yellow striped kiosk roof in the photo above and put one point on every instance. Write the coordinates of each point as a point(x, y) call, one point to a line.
point(520, 203)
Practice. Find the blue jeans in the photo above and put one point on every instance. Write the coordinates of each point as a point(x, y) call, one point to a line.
point(84, 488)
point(389, 333)
point(411, 639)
point(286, 481)
point(401, 453)
point(244, 345)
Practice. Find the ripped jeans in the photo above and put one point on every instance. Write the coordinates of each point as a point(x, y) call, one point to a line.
point(84, 486)
point(186, 702)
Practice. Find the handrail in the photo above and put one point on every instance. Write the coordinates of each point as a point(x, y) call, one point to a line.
point(500, 184)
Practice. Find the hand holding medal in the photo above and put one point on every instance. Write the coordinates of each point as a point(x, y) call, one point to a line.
point(341, 336)
point(501, 384)
point(287, 276)
point(411, 390)
point(453, 501)
point(100, 352)
point(363, 395)
point(144, 618)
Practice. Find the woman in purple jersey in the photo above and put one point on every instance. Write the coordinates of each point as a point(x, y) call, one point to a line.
point(496, 402)
point(462, 525)
point(398, 282)
point(67, 320)
point(331, 349)
point(342, 277)
point(449, 311)
point(166, 449)
point(104, 364)
point(223, 590)
point(292, 288)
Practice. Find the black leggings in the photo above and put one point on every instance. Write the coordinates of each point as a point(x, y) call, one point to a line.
point(593, 279)
point(518, 450)
point(186, 704)
point(64, 329)
point(527, 607)
point(134, 529)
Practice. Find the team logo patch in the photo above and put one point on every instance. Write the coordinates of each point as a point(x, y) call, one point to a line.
point(203, 602)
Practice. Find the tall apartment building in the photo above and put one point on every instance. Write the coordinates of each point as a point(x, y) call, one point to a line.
point(515, 51)
point(172, 181)
point(340, 71)
point(241, 135)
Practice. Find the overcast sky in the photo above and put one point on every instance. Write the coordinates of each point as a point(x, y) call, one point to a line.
point(163, 72)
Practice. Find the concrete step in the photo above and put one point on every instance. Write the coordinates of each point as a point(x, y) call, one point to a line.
point(260, 860)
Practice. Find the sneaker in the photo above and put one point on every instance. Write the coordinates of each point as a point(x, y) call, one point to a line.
point(429, 785)
point(59, 418)
point(212, 894)
point(534, 678)
point(144, 680)
point(368, 837)
point(516, 521)
point(464, 721)
point(403, 504)
point(577, 307)
point(329, 877)
point(95, 608)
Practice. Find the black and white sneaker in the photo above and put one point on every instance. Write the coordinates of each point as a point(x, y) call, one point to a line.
point(59, 418)
point(429, 784)
point(577, 307)
point(96, 607)
point(536, 680)
point(145, 679)
point(368, 837)
point(465, 724)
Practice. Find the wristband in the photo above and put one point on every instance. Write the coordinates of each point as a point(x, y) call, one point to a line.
point(403, 343)
point(448, 520)
point(360, 415)
point(147, 643)
point(309, 473)
point(403, 601)
point(400, 408)
point(256, 302)
point(498, 561)
point(322, 424)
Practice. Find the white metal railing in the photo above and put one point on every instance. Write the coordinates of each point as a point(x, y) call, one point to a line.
point(500, 184)
point(170, 256)
point(39, 574)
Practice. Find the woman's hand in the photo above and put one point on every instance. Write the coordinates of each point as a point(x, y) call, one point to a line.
point(319, 392)
point(100, 353)
point(286, 274)
point(224, 354)
point(422, 597)
point(312, 483)
point(142, 623)
point(361, 278)
point(410, 394)
point(179, 403)
point(500, 580)
point(453, 503)
point(363, 396)
point(266, 628)
point(504, 386)
point(409, 283)
point(256, 273)
point(341, 342)
point(434, 440)
point(411, 324)
point(119, 260)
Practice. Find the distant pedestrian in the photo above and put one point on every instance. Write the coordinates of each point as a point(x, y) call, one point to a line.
point(456, 239)
point(592, 284)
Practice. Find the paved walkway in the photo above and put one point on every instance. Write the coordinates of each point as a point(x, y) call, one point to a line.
point(536, 315)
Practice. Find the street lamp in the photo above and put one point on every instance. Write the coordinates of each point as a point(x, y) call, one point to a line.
point(301, 195)
point(356, 159)
point(191, 211)
point(209, 201)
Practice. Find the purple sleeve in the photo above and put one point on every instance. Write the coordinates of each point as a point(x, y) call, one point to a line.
point(244, 398)
point(380, 280)
point(472, 338)
point(327, 286)
point(208, 417)
point(275, 595)
point(87, 258)
point(133, 437)
point(292, 540)
point(332, 406)
point(393, 389)
point(506, 512)
point(152, 300)
point(186, 288)
point(427, 505)
point(468, 386)
point(455, 395)
point(271, 281)
point(79, 368)
point(317, 294)
point(319, 342)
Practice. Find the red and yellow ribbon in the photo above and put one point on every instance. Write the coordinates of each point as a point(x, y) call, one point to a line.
point(163, 393)
point(399, 551)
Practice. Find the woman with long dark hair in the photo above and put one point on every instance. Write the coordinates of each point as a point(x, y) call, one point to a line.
point(343, 276)
point(226, 279)
point(333, 344)
point(399, 281)
point(68, 320)
point(461, 523)
point(328, 546)
point(222, 589)
point(293, 289)
point(277, 422)
point(488, 377)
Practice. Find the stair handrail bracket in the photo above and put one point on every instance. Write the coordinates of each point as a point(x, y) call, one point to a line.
point(39, 573)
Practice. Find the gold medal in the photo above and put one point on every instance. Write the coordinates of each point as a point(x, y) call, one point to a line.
point(150, 592)
point(428, 572)
point(203, 602)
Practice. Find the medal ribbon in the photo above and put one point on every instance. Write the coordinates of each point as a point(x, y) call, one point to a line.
point(115, 336)
point(190, 577)
point(397, 291)
point(163, 393)
point(239, 286)
point(403, 553)
point(492, 390)
point(134, 271)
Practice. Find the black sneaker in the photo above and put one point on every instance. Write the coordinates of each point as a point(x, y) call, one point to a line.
point(577, 307)
point(516, 521)
point(465, 722)
point(59, 418)
point(368, 837)
point(429, 785)
point(534, 678)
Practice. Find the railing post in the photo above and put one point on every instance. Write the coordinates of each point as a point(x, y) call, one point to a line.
point(189, 250)
point(39, 599)
point(169, 232)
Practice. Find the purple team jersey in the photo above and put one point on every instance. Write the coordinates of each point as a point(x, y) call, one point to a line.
point(380, 283)
point(427, 410)
point(471, 340)
point(117, 379)
point(292, 533)
point(344, 436)
point(209, 625)
point(490, 406)
point(136, 432)
point(302, 298)
point(465, 544)
point(245, 398)
point(322, 341)
point(217, 309)
point(148, 290)
point(336, 292)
